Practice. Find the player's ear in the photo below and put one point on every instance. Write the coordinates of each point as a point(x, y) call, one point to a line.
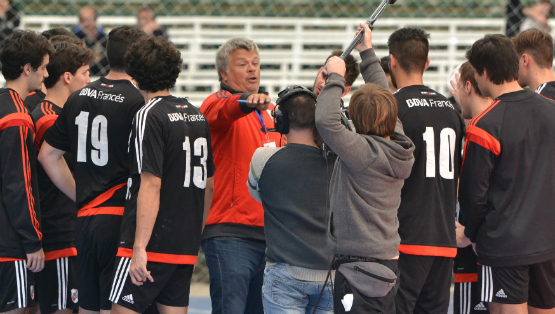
point(224, 76)
point(427, 64)
point(468, 87)
point(27, 69)
point(525, 59)
point(392, 61)
point(347, 90)
point(66, 77)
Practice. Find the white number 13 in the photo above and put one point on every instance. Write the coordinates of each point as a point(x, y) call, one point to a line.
point(199, 173)
point(447, 139)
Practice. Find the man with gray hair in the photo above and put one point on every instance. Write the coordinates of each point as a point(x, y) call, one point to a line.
point(233, 239)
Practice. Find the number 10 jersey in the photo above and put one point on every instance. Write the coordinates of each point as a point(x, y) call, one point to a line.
point(428, 198)
point(171, 140)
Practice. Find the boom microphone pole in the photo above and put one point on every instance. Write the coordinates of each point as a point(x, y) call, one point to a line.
point(370, 22)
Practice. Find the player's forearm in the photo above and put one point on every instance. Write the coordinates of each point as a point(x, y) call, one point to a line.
point(208, 193)
point(55, 166)
point(148, 205)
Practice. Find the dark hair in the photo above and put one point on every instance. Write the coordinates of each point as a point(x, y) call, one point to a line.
point(410, 47)
point(67, 58)
point(497, 55)
point(467, 75)
point(57, 31)
point(373, 110)
point(351, 65)
point(23, 47)
point(384, 62)
point(154, 63)
point(537, 44)
point(67, 39)
point(301, 110)
point(120, 40)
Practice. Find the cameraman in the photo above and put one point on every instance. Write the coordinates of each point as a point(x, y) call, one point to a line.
point(292, 182)
point(365, 188)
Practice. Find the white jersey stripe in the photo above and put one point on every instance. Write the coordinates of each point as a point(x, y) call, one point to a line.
point(18, 281)
point(491, 284)
point(67, 281)
point(126, 273)
point(114, 283)
point(469, 303)
point(483, 290)
point(141, 131)
point(59, 284)
point(25, 286)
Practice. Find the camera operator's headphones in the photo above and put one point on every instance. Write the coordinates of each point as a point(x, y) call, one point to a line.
point(281, 119)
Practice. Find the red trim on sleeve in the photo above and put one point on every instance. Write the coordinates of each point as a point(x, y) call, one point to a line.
point(466, 277)
point(428, 250)
point(52, 255)
point(9, 259)
point(43, 125)
point(483, 138)
point(161, 257)
point(16, 119)
point(91, 208)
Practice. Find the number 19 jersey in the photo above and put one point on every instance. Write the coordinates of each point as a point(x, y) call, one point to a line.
point(94, 126)
point(428, 198)
point(171, 140)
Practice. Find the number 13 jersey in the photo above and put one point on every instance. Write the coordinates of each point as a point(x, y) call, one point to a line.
point(171, 140)
point(428, 198)
point(94, 126)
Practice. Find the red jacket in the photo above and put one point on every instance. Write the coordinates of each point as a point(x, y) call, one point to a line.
point(236, 133)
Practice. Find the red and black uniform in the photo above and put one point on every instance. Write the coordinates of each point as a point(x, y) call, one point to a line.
point(428, 199)
point(506, 196)
point(171, 140)
point(547, 90)
point(20, 229)
point(33, 100)
point(94, 126)
point(57, 282)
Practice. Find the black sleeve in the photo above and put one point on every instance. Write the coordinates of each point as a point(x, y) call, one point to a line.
point(150, 147)
point(19, 198)
point(57, 135)
point(210, 167)
point(473, 187)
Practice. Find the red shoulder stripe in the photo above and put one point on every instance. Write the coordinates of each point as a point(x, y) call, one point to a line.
point(483, 113)
point(483, 138)
point(27, 175)
point(43, 124)
point(16, 103)
point(16, 119)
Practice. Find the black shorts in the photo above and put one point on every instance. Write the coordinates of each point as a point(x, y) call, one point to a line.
point(347, 299)
point(17, 286)
point(532, 284)
point(425, 284)
point(57, 285)
point(466, 299)
point(97, 245)
point(171, 286)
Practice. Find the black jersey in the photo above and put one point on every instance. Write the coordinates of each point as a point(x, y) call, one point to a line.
point(33, 100)
point(19, 213)
point(58, 212)
point(428, 198)
point(507, 181)
point(94, 126)
point(171, 140)
point(547, 90)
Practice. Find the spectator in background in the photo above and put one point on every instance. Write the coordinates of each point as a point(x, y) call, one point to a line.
point(146, 21)
point(537, 16)
point(95, 38)
point(233, 240)
point(9, 20)
point(385, 66)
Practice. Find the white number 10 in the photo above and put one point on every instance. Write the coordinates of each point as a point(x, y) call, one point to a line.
point(446, 153)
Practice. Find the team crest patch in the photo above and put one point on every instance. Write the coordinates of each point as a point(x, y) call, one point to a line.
point(74, 295)
point(32, 292)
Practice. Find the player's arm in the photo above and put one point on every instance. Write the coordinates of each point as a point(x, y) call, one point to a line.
point(222, 112)
point(17, 191)
point(148, 205)
point(54, 164)
point(473, 188)
point(370, 67)
point(208, 194)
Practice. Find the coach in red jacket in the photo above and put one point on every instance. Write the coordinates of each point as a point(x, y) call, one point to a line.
point(233, 239)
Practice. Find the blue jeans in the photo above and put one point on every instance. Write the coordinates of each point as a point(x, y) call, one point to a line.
point(283, 294)
point(236, 268)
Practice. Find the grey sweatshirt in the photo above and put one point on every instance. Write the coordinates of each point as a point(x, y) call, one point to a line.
point(365, 188)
